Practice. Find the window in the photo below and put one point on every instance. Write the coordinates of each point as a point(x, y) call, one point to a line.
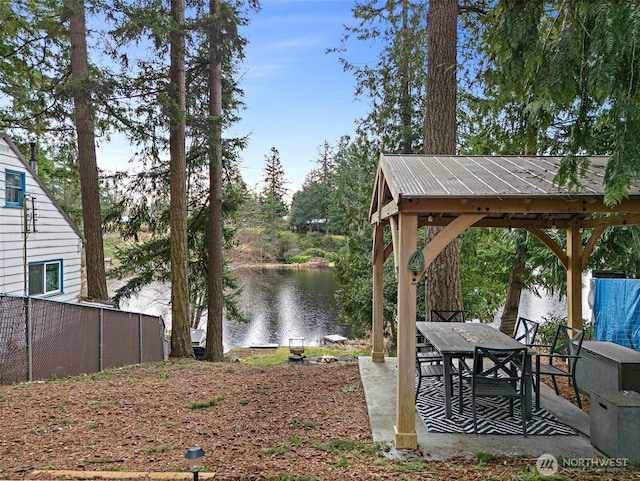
point(14, 188)
point(45, 277)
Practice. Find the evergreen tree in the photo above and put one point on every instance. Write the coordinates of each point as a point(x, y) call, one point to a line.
point(87, 163)
point(273, 194)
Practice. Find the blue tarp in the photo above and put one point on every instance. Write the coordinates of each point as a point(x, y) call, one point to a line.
point(616, 311)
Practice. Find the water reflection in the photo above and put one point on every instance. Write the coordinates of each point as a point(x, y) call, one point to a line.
point(282, 304)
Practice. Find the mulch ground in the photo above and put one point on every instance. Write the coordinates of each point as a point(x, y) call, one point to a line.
point(287, 422)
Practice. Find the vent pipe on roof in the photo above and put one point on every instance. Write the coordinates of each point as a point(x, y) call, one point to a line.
point(32, 161)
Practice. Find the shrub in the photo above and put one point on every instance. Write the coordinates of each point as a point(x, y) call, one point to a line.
point(299, 259)
point(314, 252)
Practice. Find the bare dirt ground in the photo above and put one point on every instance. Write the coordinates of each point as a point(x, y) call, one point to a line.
point(288, 422)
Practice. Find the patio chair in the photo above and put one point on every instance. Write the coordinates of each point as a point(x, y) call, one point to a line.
point(428, 360)
point(496, 374)
point(427, 370)
point(425, 351)
point(565, 352)
point(525, 331)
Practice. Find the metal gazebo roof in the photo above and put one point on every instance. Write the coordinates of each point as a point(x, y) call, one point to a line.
point(513, 191)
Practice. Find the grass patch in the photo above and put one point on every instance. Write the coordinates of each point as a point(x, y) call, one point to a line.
point(105, 375)
point(336, 446)
point(281, 354)
point(18, 387)
point(63, 422)
point(156, 449)
point(484, 458)
point(531, 474)
point(206, 404)
point(343, 462)
point(277, 451)
point(102, 403)
point(306, 424)
point(296, 441)
point(412, 465)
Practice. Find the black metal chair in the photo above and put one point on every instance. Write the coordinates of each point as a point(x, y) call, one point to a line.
point(427, 370)
point(425, 351)
point(496, 374)
point(428, 360)
point(525, 331)
point(565, 352)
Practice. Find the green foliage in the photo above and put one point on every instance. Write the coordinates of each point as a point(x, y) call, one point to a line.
point(299, 259)
point(308, 205)
point(314, 252)
point(156, 449)
point(277, 451)
point(617, 250)
point(206, 404)
point(484, 458)
point(63, 422)
point(483, 280)
point(547, 329)
point(273, 207)
point(336, 446)
point(415, 465)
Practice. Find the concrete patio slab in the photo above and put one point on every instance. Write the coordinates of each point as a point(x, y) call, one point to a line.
point(379, 383)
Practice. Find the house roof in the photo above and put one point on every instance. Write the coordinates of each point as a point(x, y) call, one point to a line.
point(512, 191)
point(4, 136)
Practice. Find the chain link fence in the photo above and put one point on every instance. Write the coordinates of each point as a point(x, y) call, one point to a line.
point(41, 339)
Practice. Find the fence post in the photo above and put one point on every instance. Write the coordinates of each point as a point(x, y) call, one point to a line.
point(101, 341)
point(29, 342)
point(140, 335)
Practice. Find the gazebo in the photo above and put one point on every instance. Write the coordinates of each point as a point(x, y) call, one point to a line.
point(458, 192)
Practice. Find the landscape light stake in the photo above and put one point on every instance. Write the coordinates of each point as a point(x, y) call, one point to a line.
point(194, 458)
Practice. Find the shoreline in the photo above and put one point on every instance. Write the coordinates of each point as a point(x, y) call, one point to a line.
point(319, 264)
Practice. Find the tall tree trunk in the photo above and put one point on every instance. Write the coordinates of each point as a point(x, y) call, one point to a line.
point(214, 349)
point(87, 164)
point(512, 302)
point(406, 104)
point(442, 287)
point(180, 333)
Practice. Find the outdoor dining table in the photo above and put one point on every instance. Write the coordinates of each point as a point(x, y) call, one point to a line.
point(457, 340)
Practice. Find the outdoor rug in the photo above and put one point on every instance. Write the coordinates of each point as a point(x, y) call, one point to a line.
point(493, 414)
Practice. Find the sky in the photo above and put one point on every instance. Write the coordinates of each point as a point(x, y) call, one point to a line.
point(296, 95)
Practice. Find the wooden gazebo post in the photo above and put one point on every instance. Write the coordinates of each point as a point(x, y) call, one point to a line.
point(405, 429)
point(377, 353)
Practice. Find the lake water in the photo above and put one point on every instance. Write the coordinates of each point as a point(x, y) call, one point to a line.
point(280, 303)
point(284, 304)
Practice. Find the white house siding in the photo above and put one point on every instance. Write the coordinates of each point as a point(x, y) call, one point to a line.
point(55, 237)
